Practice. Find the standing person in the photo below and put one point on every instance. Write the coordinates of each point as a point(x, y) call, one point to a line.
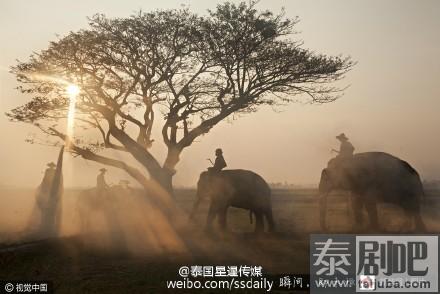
point(43, 192)
point(49, 174)
point(101, 184)
point(219, 163)
point(46, 215)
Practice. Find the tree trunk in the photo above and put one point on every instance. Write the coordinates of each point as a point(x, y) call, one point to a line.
point(163, 176)
point(165, 179)
point(168, 170)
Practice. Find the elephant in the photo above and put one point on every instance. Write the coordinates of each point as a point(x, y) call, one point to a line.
point(91, 203)
point(237, 188)
point(373, 177)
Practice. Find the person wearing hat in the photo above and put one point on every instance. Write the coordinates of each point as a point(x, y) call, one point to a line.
point(101, 185)
point(346, 149)
point(42, 199)
point(49, 174)
point(219, 162)
point(42, 196)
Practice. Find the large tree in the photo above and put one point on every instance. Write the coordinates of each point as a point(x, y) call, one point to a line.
point(192, 71)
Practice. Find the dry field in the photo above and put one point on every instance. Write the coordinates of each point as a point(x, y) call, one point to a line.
point(143, 252)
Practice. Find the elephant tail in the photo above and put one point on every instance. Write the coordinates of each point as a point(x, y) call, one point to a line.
point(250, 216)
point(422, 193)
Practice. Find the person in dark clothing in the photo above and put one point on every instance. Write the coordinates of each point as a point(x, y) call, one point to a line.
point(46, 183)
point(101, 185)
point(43, 193)
point(219, 163)
point(345, 153)
point(346, 149)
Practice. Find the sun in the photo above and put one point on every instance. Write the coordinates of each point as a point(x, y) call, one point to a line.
point(72, 90)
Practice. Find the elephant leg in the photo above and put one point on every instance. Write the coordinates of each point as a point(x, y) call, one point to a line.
point(414, 214)
point(211, 215)
point(86, 223)
point(259, 223)
point(83, 214)
point(356, 206)
point(323, 211)
point(371, 207)
point(194, 209)
point(269, 218)
point(222, 221)
point(408, 223)
point(420, 224)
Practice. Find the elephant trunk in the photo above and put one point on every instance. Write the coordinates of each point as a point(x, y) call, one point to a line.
point(195, 206)
point(323, 210)
point(325, 183)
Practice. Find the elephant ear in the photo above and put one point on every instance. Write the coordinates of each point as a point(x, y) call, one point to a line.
point(324, 174)
point(363, 175)
point(204, 176)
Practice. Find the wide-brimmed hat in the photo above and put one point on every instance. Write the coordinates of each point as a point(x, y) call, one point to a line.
point(51, 164)
point(103, 169)
point(342, 136)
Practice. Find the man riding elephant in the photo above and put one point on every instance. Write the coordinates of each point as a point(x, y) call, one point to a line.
point(373, 177)
point(346, 149)
point(236, 188)
point(345, 152)
point(219, 162)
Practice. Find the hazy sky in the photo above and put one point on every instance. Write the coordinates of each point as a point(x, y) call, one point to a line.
point(392, 103)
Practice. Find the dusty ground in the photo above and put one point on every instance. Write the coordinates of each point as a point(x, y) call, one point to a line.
point(94, 261)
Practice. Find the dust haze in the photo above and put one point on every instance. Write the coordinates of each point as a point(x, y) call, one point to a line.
point(390, 104)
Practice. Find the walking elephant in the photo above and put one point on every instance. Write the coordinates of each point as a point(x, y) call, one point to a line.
point(373, 177)
point(92, 203)
point(237, 188)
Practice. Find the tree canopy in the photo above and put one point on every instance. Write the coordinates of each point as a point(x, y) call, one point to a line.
point(189, 70)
